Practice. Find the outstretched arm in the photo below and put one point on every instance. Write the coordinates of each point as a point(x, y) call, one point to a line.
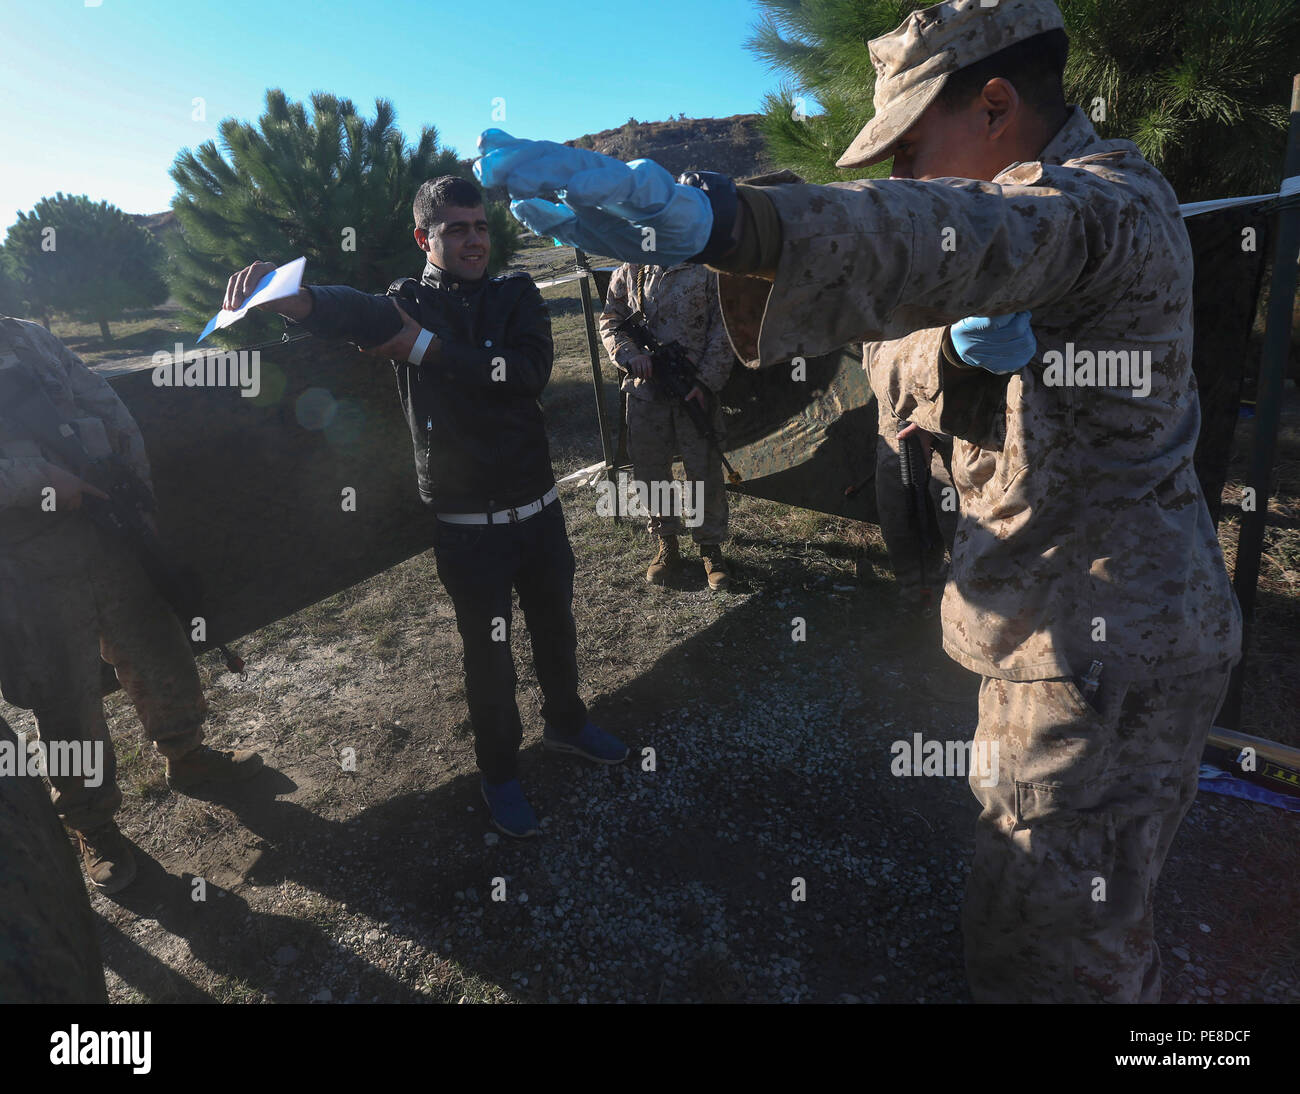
point(374, 322)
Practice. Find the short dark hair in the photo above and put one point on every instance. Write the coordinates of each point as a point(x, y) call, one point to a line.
point(1034, 66)
point(437, 194)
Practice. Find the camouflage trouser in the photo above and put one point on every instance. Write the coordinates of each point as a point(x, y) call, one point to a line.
point(1074, 834)
point(898, 527)
point(656, 432)
point(50, 951)
point(95, 600)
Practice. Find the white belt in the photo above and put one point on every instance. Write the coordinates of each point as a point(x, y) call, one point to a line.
point(504, 516)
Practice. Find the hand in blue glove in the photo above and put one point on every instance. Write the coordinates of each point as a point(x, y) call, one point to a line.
point(1001, 343)
point(632, 211)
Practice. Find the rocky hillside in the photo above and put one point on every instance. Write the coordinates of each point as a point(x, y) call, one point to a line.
point(731, 145)
point(159, 225)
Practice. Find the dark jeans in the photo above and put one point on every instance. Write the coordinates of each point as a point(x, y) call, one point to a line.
point(479, 564)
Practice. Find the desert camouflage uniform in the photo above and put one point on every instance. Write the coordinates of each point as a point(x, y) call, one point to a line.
point(1082, 532)
point(680, 304)
point(897, 525)
point(70, 594)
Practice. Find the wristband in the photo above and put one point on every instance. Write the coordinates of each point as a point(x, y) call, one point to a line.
point(721, 192)
point(421, 344)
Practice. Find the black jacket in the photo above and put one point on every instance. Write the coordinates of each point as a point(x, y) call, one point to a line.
point(476, 423)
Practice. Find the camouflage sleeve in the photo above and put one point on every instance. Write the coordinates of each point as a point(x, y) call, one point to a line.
point(716, 361)
point(904, 378)
point(620, 347)
point(876, 260)
point(22, 479)
point(97, 398)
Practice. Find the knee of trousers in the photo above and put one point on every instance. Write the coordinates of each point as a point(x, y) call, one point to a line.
point(651, 440)
point(489, 670)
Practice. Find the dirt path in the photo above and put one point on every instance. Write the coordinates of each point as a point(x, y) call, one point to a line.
point(667, 880)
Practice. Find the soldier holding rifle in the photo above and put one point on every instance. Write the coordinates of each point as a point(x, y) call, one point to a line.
point(679, 304)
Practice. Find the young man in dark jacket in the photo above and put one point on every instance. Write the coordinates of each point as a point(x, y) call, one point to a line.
point(472, 356)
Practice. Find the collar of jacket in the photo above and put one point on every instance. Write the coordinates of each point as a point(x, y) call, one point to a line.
point(1074, 139)
point(438, 278)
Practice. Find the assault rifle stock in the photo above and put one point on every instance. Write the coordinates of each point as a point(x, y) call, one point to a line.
point(914, 469)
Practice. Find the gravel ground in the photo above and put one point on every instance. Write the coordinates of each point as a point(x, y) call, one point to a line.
point(761, 852)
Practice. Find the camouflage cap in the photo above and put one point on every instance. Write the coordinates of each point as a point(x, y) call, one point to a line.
point(913, 62)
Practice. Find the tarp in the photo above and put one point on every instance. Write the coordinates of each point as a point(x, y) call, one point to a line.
point(251, 490)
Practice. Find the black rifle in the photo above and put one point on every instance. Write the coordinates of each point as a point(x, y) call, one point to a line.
point(27, 407)
point(914, 469)
point(675, 375)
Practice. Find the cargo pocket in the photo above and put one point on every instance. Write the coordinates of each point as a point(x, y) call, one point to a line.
point(1090, 843)
point(1133, 791)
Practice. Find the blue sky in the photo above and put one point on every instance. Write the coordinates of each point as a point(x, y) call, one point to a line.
point(98, 98)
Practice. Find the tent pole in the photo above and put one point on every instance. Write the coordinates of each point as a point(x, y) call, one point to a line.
point(597, 381)
point(1272, 372)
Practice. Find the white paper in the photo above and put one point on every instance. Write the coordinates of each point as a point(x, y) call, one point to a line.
point(281, 282)
point(596, 469)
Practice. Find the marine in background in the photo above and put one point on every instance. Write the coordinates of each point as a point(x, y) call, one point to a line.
point(680, 304)
point(73, 595)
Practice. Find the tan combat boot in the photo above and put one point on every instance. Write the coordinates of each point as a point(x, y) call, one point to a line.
point(206, 764)
point(665, 559)
point(715, 565)
point(107, 858)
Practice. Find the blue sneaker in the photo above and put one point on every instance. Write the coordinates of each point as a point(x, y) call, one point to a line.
point(591, 742)
point(509, 809)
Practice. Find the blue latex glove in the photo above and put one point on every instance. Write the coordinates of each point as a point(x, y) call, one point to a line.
point(634, 211)
point(1001, 343)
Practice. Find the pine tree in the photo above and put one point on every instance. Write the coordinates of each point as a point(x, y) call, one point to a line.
point(11, 296)
point(85, 259)
point(334, 187)
point(1200, 88)
point(821, 47)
